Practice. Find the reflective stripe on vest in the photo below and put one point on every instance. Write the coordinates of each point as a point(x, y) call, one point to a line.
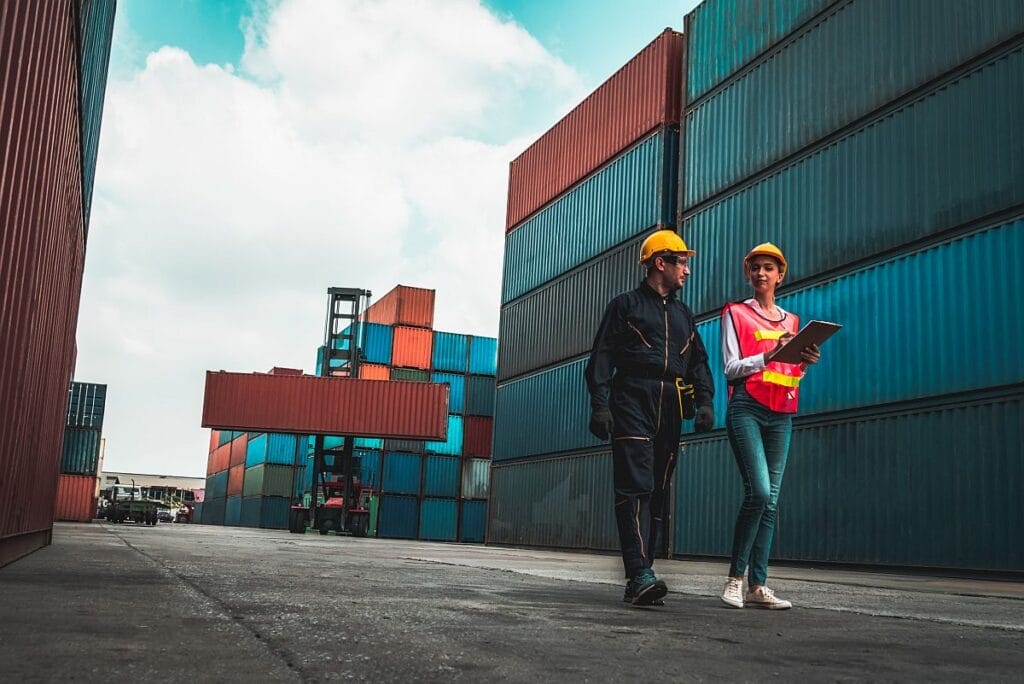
point(777, 386)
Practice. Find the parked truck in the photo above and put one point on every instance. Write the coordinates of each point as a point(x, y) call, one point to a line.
point(126, 503)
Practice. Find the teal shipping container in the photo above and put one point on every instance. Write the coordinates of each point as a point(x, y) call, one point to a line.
point(632, 195)
point(96, 27)
point(376, 342)
point(412, 446)
point(472, 521)
point(483, 355)
point(369, 467)
point(410, 374)
point(439, 519)
point(269, 512)
point(213, 510)
point(217, 486)
point(86, 406)
point(457, 392)
point(224, 436)
point(476, 478)
point(936, 163)
point(480, 395)
point(450, 352)
point(441, 476)
point(233, 511)
point(451, 446)
point(398, 517)
point(368, 443)
point(274, 448)
point(197, 513)
point(402, 473)
point(80, 454)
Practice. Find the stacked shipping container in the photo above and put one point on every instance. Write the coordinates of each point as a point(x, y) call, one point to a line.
point(78, 483)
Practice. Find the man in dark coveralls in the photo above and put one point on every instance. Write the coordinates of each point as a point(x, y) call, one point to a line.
point(648, 369)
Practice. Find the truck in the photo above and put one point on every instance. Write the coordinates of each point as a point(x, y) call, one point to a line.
point(124, 503)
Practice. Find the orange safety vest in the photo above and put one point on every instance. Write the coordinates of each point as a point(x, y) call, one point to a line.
point(778, 385)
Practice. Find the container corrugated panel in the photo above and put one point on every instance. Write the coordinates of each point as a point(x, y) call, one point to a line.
point(480, 395)
point(301, 484)
point(543, 413)
point(217, 485)
point(875, 489)
point(86, 405)
point(214, 439)
point(476, 478)
point(456, 390)
point(401, 473)
point(889, 301)
point(644, 94)
point(377, 343)
point(567, 331)
point(76, 498)
point(398, 517)
point(239, 450)
point(846, 64)
point(633, 195)
point(453, 444)
point(412, 347)
point(473, 521)
point(309, 405)
point(81, 452)
point(368, 443)
point(233, 511)
point(213, 511)
point(404, 305)
point(220, 459)
point(236, 479)
point(441, 476)
point(867, 192)
point(374, 371)
point(224, 437)
point(413, 446)
point(477, 436)
point(724, 35)
point(197, 513)
point(483, 355)
point(439, 519)
point(256, 451)
point(564, 502)
point(450, 352)
point(41, 259)
point(269, 480)
point(269, 512)
point(369, 467)
point(96, 19)
point(411, 375)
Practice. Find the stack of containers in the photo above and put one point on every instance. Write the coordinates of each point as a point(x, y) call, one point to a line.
point(271, 464)
point(581, 200)
point(78, 481)
point(880, 145)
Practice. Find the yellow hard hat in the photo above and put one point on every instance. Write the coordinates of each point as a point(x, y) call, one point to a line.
point(769, 250)
point(663, 242)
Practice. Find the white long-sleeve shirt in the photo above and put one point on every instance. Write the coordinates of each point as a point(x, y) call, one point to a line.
point(736, 367)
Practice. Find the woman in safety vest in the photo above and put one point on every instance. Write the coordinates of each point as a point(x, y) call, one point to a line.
point(763, 397)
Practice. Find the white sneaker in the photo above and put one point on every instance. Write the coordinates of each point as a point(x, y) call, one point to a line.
point(763, 597)
point(732, 595)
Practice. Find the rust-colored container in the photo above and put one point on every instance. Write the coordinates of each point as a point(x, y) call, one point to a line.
point(76, 498)
point(404, 305)
point(639, 97)
point(42, 245)
point(374, 371)
point(238, 446)
point(214, 439)
point(412, 347)
point(236, 477)
point(308, 404)
point(220, 459)
point(476, 439)
point(278, 370)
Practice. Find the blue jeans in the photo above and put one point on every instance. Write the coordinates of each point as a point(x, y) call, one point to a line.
point(760, 443)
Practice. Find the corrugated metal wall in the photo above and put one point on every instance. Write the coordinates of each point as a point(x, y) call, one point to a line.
point(96, 29)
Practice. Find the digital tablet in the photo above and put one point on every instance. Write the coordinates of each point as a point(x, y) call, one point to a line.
point(814, 332)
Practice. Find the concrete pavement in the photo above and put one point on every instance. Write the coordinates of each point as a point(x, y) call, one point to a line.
point(224, 604)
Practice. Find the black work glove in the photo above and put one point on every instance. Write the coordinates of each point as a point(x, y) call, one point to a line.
point(601, 423)
point(705, 419)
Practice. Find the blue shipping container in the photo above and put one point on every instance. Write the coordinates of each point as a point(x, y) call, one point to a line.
point(217, 485)
point(480, 395)
point(269, 512)
point(369, 467)
point(457, 393)
point(80, 454)
point(274, 448)
point(377, 340)
point(86, 406)
point(401, 473)
point(441, 476)
point(450, 352)
point(451, 446)
point(96, 28)
point(233, 511)
point(213, 510)
point(398, 517)
point(473, 522)
point(438, 519)
point(368, 443)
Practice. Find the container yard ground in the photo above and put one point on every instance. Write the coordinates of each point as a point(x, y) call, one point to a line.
point(218, 603)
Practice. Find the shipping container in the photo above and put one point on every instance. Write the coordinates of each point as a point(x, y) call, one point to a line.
point(224, 437)
point(439, 519)
point(213, 511)
point(81, 452)
point(456, 390)
point(86, 405)
point(300, 483)
point(76, 498)
point(219, 460)
point(453, 444)
point(214, 439)
point(96, 28)
point(217, 485)
point(374, 371)
point(875, 488)
point(402, 473)
point(473, 521)
point(413, 446)
point(369, 467)
point(412, 347)
point(478, 435)
point(441, 476)
point(233, 511)
point(269, 512)
point(411, 375)
point(197, 513)
point(476, 478)
point(635, 194)
point(404, 305)
point(398, 517)
point(483, 355)
point(480, 395)
point(845, 64)
point(450, 352)
point(239, 449)
point(236, 478)
point(725, 35)
point(269, 480)
point(564, 502)
point(309, 405)
point(368, 443)
point(641, 96)
point(378, 341)
point(274, 448)
point(865, 193)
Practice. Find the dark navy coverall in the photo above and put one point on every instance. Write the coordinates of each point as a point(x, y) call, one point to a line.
point(644, 343)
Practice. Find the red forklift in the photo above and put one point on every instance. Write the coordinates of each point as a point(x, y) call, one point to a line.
point(345, 505)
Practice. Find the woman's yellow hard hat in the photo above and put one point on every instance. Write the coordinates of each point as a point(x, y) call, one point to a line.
point(769, 250)
point(663, 241)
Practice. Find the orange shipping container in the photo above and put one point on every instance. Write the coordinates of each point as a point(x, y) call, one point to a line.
point(374, 371)
point(220, 459)
point(412, 347)
point(404, 305)
point(236, 476)
point(238, 448)
point(76, 498)
point(214, 439)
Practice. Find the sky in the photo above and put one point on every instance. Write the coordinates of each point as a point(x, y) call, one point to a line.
point(253, 154)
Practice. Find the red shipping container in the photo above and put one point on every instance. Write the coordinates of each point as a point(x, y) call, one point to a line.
point(220, 459)
point(404, 305)
point(214, 439)
point(76, 498)
point(476, 438)
point(308, 404)
point(641, 96)
point(236, 476)
point(411, 347)
point(374, 371)
point(238, 448)
point(277, 370)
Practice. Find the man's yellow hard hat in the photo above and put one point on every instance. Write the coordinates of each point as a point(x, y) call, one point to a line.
point(769, 250)
point(663, 242)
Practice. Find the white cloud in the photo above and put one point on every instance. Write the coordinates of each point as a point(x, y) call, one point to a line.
point(361, 144)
